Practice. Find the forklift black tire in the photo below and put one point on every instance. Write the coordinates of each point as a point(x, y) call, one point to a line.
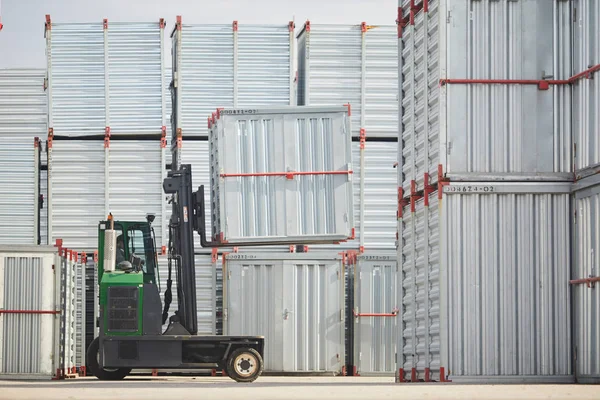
point(244, 365)
point(103, 374)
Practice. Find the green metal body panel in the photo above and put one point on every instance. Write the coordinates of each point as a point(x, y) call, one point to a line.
point(120, 278)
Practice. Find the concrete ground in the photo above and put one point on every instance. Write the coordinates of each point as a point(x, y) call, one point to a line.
point(288, 388)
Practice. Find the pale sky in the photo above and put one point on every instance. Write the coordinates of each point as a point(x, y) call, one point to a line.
point(22, 43)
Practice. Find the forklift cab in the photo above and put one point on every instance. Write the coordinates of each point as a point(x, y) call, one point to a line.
point(136, 248)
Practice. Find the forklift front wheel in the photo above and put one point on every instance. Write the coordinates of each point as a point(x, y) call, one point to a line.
point(244, 365)
point(104, 374)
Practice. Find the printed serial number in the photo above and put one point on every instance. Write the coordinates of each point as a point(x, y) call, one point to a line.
point(239, 112)
point(240, 257)
point(469, 189)
point(374, 258)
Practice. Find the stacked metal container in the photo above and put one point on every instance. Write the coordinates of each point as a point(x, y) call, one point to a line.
point(22, 119)
point(40, 334)
point(585, 277)
point(483, 191)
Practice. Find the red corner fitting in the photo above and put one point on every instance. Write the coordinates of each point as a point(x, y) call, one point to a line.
point(83, 370)
point(413, 375)
point(179, 142)
point(344, 370)
point(235, 26)
point(361, 249)
point(222, 238)
point(353, 234)
point(349, 109)
point(413, 10)
point(84, 257)
point(427, 375)
point(219, 109)
point(355, 371)
point(442, 181)
point(178, 23)
point(401, 375)
point(163, 137)
point(209, 120)
point(425, 5)
point(48, 23)
point(363, 138)
point(161, 23)
point(105, 23)
point(106, 141)
point(50, 137)
point(154, 372)
point(363, 27)
point(58, 243)
point(214, 253)
point(292, 248)
point(36, 142)
point(163, 250)
point(443, 377)
point(401, 202)
point(75, 256)
point(95, 256)
point(307, 26)
point(291, 26)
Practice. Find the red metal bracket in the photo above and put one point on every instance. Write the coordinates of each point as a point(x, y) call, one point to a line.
point(48, 24)
point(219, 109)
point(414, 195)
point(95, 256)
point(401, 375)
point(163, 137)
point(291, 26)
point(542, 84)
point(349, 109)
point(585, 74)
point(363, 27)
point(443, 376)
point(428, 189)
point(161, 23)
point(427, 375)
point(442, 181)
point(106, 141)
point(413, 375)
point(50, 137)
point(589, 282)
point(363, 138)
point(84, 258)
point(235, 26)
point(392, 314)
point(82, 370)
point(163, 250)
point(402, 202)
point(105, 23)
point(222, 238)
point(307, 26)
point(288, 175)
point(36, 142)
point(214, 255)
point(178, 23)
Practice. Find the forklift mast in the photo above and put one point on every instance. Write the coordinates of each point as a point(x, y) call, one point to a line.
point(181, 244)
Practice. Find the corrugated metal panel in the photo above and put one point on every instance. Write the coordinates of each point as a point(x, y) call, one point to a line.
point(264, 209)
point(297, 301)
point(479, 131)
point(135, 182)
point(76, 171)
point(381, 82)
point(44, 205)
point(80, 305)
point(22, 103)
point(586, 300)
point(105, 75)
point(500, 310)
point(586, 92)
point(374, 337)
point(22, 117)
point(17, 187)
point(205, 291)
point(217, 66)
point(29, 342)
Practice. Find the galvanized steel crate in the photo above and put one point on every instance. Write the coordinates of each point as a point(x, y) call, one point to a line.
point(295, 300)
point(355, 64)
point(105, 78)
point(477, 102)
point(281, 175)
point(585, 280)
point(234, 65)
point(375, 314)
point(484, 284)
point(39, 305)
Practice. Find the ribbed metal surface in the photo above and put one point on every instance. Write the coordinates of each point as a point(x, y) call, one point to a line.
point(105, 76)
point(375, 292)
point(586, 92)
point(479, 131)
point(135, 182)
point(28, 342)
point(488, 297)
point(296, 300)
point(218, 67)
point(22, 117)
point(17, 199)
point(77, 192)
point(339, 64)
point(263, 209)
point(586, 300)
point(80, 312)
point(205, 291)
point(512, 282)
point(22, 103)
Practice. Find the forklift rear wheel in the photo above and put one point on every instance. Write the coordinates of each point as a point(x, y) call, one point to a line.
point(244, 365)
point(104, 374)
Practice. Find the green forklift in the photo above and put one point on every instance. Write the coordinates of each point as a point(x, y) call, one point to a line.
point(131, 315)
